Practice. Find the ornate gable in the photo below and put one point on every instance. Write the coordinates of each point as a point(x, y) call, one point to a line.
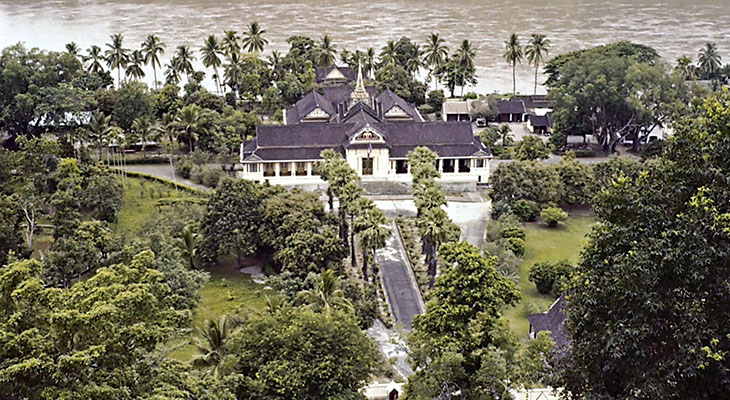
point(367, 135)
point(317, 114)
point(335, 75)
point(396, 112)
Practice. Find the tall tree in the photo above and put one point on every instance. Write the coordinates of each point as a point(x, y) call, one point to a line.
point(649, 275)
point(184, 60)
point(465, 58)
point(134, 66)
point(433, 226)
point(709, 60)
point(435, 53)
point(117, 55)
point(189, 125)
point(388, 54)
point(230, 43)
point(369, 62)
point(94, 59)
point(535, 51)
point(513, 55)
point(326, 296)
point(254, 38)
point(144, 131)
point(98, 129)
point(211, 52)
point(153, 48)
point(211, 349)
point(327, 52)
point(372, 230)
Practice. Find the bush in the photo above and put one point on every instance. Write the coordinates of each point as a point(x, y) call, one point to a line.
point(426, 109)
point(513, 231)
point(469, 96)
point(552, 216)
point(435, 99)
point(525, 210)
point(516, 245)
point(549, 277)
point(585, 153)
point(184, 168)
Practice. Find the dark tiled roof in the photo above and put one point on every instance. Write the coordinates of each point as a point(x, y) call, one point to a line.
point(312, 100)
point(388, 99)
point(541, 121)
point(535, 101)
point(322, 72)
point(513, 106)
point(553, 320)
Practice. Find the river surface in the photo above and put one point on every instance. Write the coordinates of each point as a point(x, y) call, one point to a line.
point(673, 27)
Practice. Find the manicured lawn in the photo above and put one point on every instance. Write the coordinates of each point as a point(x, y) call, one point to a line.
point(140, 199)
point(545, 244)
point(227, 291)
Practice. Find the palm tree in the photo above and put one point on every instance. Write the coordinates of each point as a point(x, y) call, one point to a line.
point(433, 225)
point(134, 66)
point(373, 234)
point(187, 242)
point(465, 55)
point(99, 128)
point(94, 59)
point(537, 48)
point(435, 53)
point(685, 67)
point(234, 73)
point(327, 52)
point(230, 44)
point(184, 60)
point(172, 74)
point(117, 55)
point(369, 62)
point(415, 63)
point(153, 48)
point(505, 135)
point(211, 52)
point(350, 196)
point(254, 38)
point(709, 60)
point(73, 49)
point(428, 196)
point(144, 131)
point(215, 334)
point(513, 55)
point(277, 67)
point(326, 295)
point(189, 125)
point(388, 54)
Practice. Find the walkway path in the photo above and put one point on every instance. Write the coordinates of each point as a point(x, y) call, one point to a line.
point(163, 171)
point(402, 291)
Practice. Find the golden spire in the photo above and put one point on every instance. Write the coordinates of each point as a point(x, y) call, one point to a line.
point(359, 95)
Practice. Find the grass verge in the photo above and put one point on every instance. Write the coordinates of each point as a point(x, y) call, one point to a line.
point(545, 244)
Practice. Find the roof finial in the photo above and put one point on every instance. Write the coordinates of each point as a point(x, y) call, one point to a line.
point(360, 95)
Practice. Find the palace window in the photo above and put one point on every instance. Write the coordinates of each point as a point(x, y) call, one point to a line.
point(367, 166)
point(401, 166)
point(285, 169)
point(464, 165)
point(269, 169)
point(301, 168)
point(315, 168)
point(253, 168)
point(480, 163)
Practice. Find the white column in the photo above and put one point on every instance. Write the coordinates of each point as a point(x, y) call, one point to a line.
point(309, 168)
point(277, 169)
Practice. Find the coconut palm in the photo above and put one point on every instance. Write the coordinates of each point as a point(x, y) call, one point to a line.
point(513, 55)
point(230, 43)
point(537, 48)
point(346, 57)
point(388, 54)
point(369, 61)
point(465, 57)
point(433, 225)
point(327, 52)
point(144, 130)
point(685, 67)
point(99, 128)
point(188, 124)
point(254, 38)
point(435, 53)
point(276, 63)
point(350, 196)
point(371, 229)
point(709, 60)
point(210, 53)
point(134, 66)
point(172, 74)
point(326, 295)
point(94, 59)
point(187, 242)
point(73, 49)
point(215, 335)
point(234, 72)
point(415, 63)
point(117, 55)
point(152, 49)
point(184, 60)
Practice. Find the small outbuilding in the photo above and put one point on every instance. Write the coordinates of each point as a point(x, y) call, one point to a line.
point(540, 124)
point(512, 110)
point(553, 320)
point(456, 110)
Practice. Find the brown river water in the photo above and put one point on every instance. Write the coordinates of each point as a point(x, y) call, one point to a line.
point(673, 27)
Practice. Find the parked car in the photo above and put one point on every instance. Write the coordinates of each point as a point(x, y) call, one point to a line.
point(481, 122)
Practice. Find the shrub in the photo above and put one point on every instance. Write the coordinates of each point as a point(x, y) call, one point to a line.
point(184, 168)
point(552, 216)
point(549, 277)
point(435, 99)
point(513, 231)
point(585, 153)
point(525, 210)
point(516, 245)
point(426, 109)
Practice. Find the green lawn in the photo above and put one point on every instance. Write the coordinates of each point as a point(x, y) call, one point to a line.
point(545, 244)
point(140, 199)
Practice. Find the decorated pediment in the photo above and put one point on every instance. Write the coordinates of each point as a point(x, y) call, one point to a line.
point(317, 113)
point(396, 112)
point(335, 75)
point(367, 135)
